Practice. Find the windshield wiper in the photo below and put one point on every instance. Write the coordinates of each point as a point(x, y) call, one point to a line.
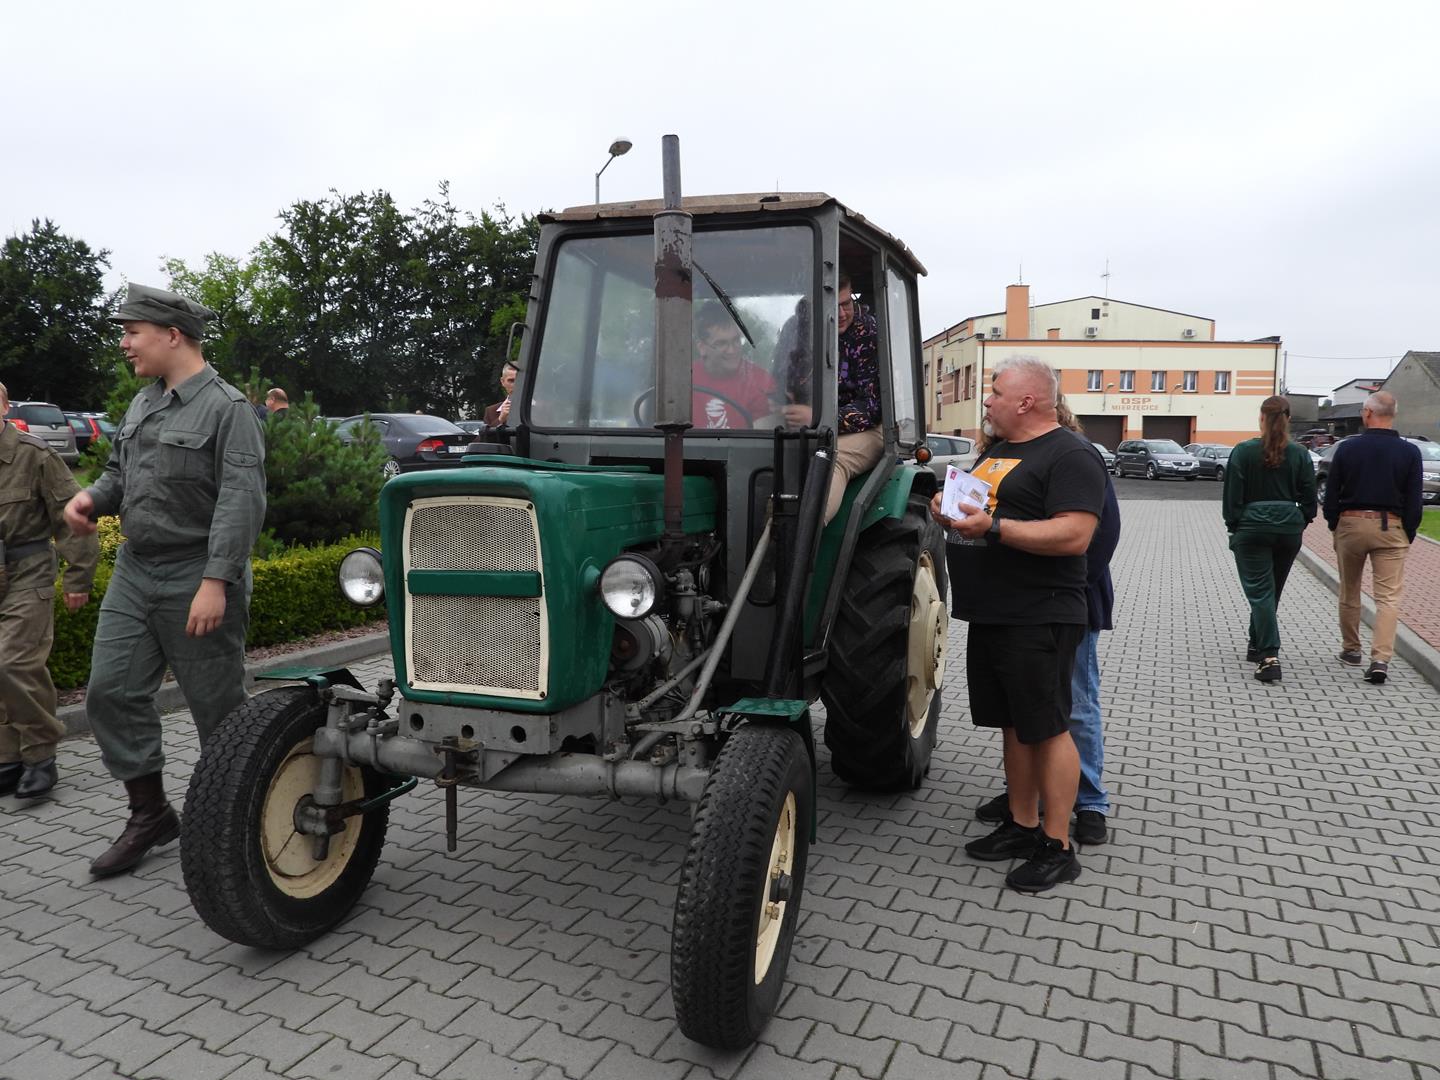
point(724, 298)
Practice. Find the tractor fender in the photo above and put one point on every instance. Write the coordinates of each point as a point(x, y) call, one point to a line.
point(318, 677)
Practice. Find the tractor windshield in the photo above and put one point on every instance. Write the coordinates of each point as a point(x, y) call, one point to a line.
point(754, 331)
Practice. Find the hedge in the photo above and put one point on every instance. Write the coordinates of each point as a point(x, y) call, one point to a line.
point(296, 595)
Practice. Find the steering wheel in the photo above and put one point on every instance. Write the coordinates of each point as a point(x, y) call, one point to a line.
point(649, 392)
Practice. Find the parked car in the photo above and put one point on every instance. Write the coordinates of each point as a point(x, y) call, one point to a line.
point(474, 427)
point(48, 422)
point(1107, 454)
point(949, 450)
point(89, 426)
point(1154, 458)
point(1211, 459)
point(1429, 462)
point(1317, 439)
point(413, 440)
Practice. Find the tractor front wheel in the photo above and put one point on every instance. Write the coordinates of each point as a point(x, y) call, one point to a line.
point(252, 876)
point(740, 887)
point(887, 655)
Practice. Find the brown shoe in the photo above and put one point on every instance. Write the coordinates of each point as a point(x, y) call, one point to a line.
point(153, 822)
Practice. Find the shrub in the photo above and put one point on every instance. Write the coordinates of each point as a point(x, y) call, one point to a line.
point(296, 595)
point(319, 489)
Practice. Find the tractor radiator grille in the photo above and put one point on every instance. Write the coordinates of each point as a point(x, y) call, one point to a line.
point(475, 644)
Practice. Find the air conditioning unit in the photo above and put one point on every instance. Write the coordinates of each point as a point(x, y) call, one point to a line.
point(1187, 332)
point(995, 332)
point(1092, 331)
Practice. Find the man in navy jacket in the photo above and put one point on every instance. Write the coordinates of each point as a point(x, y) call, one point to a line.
point(1373, 506)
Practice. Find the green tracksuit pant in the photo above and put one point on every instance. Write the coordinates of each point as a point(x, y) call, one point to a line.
point(1264, 560)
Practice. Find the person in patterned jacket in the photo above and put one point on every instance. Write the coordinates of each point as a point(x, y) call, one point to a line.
point(859, 442)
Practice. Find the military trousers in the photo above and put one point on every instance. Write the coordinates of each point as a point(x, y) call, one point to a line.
point(28, 728)
point(141, 631)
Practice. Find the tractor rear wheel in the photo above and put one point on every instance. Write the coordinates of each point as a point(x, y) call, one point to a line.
point(740, 886)
point(251, 875)
point(887, 654)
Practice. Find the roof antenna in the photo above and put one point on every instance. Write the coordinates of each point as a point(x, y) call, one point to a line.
point(1020, 277)
point(1106, 277)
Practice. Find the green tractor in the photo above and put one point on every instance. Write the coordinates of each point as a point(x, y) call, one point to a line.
point(631, 593)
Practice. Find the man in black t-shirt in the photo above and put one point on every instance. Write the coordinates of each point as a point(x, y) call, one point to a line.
point(1017, 574)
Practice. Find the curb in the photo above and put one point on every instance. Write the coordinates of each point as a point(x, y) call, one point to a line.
point(169, 699)
point(1409, 646)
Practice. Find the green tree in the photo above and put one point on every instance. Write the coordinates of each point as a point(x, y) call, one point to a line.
point(319, 488)
point(55, 344)
point(370, 307)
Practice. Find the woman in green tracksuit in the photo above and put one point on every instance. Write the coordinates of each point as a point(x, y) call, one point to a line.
point(1269, 499)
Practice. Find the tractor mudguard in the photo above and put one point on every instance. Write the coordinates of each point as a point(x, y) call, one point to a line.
point(787, 712)
point(318, 677)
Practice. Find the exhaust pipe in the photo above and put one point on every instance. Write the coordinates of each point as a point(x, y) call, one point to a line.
point(674, 339)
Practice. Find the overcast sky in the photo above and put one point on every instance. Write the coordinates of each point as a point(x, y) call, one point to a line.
point(1274, 166)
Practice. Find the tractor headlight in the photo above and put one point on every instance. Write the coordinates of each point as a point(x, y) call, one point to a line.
point(362, 577)
point(631, 586)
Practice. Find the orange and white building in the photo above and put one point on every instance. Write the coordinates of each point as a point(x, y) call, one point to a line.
point(1127, 371)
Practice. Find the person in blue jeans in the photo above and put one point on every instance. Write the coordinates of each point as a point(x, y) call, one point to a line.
point(1092, 802)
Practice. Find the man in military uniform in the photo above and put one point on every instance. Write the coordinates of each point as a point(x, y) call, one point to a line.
point(34, 487)
point(187, 475)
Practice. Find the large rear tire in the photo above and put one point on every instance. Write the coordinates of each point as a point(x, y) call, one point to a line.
point(887, 655)
point(251, 876)
point(740, 887)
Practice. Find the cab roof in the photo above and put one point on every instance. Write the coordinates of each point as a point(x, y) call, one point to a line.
point(743, 203)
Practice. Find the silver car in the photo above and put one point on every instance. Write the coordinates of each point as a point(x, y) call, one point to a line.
point(949, 450)
point(46, 421)
point(1154, 459)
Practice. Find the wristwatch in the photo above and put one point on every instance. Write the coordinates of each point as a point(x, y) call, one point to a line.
point(992, 534)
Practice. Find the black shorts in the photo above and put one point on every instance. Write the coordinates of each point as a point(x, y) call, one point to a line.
point(1019, 677)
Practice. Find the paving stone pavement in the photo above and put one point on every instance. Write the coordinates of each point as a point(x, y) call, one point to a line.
point(1268, 907)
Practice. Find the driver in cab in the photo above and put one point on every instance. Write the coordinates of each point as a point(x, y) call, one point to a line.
point(729, 391)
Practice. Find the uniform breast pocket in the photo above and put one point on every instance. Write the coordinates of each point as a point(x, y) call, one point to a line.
point(185, 456)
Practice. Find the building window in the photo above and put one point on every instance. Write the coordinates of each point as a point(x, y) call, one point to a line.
point(1157, 381)
point(1094, 313)
point(1192, 381)
point(1222, 382)
point(1092, 380)
point(955, 386)
point(925, 373)
point(1127, 380)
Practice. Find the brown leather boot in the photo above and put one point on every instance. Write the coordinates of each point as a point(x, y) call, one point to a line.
point(152, 822)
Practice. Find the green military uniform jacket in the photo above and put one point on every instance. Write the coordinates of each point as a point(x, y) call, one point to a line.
point(187, 475)
point(35, 485)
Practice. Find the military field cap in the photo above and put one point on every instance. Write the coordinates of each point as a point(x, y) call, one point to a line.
point(144, 303)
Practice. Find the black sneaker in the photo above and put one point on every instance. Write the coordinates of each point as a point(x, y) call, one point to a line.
point(1269, 670)
point(1377, 672)
point(1009, 841)
point(1090, 827)
point(994, 811)
point(1351, 657)
point(1049, 865)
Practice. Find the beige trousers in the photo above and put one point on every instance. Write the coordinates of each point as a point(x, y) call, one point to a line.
point(854, 454)
point(1357, 538)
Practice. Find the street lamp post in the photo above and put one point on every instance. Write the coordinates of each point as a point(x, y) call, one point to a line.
point(617, 148)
